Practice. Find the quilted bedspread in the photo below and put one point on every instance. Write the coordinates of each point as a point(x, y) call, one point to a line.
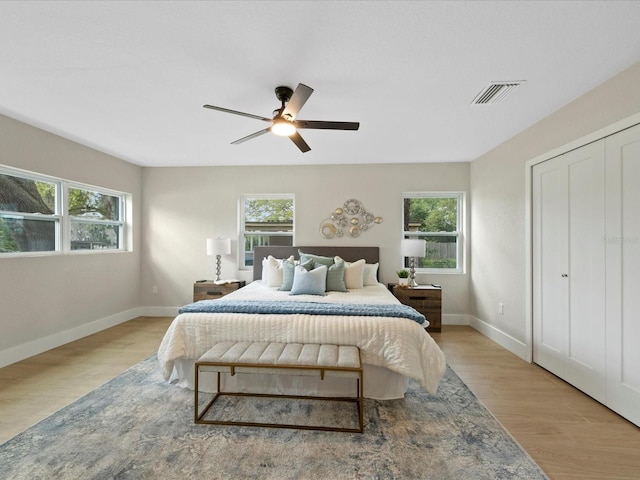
point(399, 344)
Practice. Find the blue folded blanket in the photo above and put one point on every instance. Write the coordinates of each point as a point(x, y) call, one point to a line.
point(309, 308)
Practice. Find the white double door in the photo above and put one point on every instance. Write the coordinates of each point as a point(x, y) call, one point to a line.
point(586, 269)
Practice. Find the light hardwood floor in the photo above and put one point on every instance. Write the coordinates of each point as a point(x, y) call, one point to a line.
point(567, 433)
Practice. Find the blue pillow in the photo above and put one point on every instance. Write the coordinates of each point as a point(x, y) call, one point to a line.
point(288, 268)
point(312, 282)
point(318, 259)
point(335, 277)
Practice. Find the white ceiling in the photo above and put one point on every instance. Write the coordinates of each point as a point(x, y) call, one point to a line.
point(130, 78)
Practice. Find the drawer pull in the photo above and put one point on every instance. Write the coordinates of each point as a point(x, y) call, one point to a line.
point(416, 298)
point(214, 293)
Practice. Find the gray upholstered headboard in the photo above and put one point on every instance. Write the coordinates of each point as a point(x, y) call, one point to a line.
point(350, 254)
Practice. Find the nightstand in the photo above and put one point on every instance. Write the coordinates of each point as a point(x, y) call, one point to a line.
point(426, 299)
point(210, 290)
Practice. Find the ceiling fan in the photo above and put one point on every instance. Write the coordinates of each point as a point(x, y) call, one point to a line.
point(284, 121)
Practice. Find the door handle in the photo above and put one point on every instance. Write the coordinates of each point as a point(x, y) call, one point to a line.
point(564, 275)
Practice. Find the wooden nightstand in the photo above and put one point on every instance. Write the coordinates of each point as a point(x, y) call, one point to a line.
point(210, 290)
point(426, 299)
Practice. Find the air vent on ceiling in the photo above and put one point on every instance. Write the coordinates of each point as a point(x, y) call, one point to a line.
point(495, 92)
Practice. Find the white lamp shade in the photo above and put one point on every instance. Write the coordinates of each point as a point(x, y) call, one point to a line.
point(413, 247)
point(218, 246)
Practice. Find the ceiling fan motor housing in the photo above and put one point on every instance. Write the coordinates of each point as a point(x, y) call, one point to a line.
point(283, 94)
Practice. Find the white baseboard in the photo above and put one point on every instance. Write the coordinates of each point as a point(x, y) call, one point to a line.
point(29, 349)
point(501, 338)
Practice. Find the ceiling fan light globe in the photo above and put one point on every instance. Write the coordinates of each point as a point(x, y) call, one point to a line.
point(283, 128)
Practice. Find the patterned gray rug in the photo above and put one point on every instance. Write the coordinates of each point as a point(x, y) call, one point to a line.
point(138, 427)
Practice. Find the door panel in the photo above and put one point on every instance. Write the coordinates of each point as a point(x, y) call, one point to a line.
point(568, 267)
point(550, 261)
point(586, 276)
point(623, 273)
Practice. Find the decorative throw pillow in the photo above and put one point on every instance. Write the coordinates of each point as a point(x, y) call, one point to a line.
point(311, 282)
point(273, 268)
point(264, 269)
point(318, 259)
point(353, 274)
point(288, 269)
point(335, 277)
point(370, 276)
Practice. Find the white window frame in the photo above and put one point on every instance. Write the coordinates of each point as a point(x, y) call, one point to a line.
point(63, 219)
point(459, 233)
point(69, 219)
point(242, 232)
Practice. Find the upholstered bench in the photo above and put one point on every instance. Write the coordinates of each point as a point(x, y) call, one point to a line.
point(281, 359)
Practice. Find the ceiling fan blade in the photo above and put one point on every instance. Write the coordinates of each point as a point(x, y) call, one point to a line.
point(297, 100)
point(235, 112)
point(300, 143)
point(253, 135)
point(318, 124)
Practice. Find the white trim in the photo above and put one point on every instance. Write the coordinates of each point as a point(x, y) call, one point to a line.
point(29, 349)
point(503, 339)
point(615, 127)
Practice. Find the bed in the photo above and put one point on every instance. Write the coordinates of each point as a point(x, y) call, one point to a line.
point(394, 346)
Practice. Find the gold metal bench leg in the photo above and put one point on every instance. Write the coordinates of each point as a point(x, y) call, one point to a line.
point(361, 401)
point(358, 400)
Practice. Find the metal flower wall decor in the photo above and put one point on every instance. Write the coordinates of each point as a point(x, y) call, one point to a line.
point(351, 220)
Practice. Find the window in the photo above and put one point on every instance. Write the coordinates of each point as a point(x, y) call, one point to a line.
point(95, 220)
point(438, 219)
point(46, 214)
point(29, 213)
point(265, 220)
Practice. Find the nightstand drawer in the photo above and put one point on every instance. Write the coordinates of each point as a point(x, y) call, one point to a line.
point(425, 299)
point(419, 302)
point(212, 290)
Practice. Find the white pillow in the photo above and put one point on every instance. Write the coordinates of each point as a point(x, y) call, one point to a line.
point(353, 273)
point(264, 270)
point(370, 276)
point(272, 271)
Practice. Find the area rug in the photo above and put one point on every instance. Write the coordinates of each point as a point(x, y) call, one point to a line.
point(139, 427)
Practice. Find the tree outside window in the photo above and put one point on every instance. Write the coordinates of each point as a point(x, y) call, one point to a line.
point(95, 220)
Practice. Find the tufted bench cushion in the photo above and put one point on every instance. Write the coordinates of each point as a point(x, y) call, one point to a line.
point(257, 357)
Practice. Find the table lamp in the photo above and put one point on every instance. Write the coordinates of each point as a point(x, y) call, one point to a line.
point(412, 248)
point(218, 247)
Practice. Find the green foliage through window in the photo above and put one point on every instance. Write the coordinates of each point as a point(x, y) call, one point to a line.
point(268, 210)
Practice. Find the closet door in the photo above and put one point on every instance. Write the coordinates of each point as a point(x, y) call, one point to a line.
point(623, 273)
point(568, 270)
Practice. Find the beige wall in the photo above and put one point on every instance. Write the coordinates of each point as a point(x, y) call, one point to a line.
point(47, 300)
point(184, 206)
point(498, 251)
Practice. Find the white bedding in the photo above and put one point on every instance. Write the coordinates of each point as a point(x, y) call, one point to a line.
point(398, 344)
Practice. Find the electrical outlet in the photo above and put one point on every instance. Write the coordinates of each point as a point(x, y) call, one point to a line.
point(154, 289)
point(501, 308)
